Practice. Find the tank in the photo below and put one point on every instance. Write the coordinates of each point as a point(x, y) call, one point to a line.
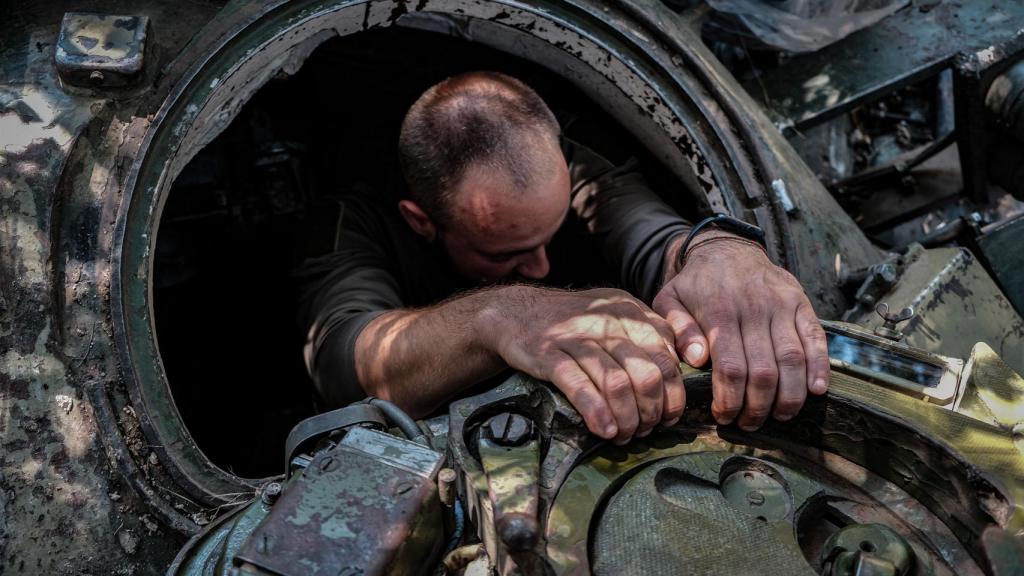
point(162, 171)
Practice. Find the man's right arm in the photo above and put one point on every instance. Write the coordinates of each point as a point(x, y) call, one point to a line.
point(607, 352)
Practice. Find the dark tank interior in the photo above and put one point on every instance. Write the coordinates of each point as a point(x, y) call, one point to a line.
point(262, 197)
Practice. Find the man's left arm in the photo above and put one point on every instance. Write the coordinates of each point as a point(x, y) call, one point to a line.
point(726, 300)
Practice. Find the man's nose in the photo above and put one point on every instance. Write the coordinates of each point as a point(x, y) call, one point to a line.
point(535, 265)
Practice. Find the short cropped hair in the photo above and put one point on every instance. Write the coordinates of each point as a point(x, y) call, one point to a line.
point(473, 118)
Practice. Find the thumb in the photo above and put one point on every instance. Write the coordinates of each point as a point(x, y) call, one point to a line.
point(691, 344)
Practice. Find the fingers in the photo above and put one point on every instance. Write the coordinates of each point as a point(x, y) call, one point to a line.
point(569, 377)
point(791, 361)
point(656, 339)
point(647, 383)
point(762, 372)
point(815, 346)
point(688, 337)
point(614, 383)
point(729, 376)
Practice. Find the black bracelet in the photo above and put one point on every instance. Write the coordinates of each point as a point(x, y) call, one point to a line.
point(727, 223)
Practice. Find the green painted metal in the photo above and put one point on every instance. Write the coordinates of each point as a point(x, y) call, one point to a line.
point(209, 553)
point(956, 304)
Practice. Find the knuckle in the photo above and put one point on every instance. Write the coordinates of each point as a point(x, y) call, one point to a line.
point(617, 385)
point(784, 276)
point(720, 307)
point(814, 332)
point(581, 398)
point(763, 376)
point(648, 382)
point(667, 366)
point(572, 382)
point(760, 309)
point(791, 355)
point(734, 370)
point(788, 405)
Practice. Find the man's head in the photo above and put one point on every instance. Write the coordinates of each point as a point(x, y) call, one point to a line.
point(486, 175)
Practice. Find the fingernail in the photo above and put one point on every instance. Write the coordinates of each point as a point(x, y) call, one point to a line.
point(642, 434)
point(610, 431)
point(693, 353)
point(723, 421)
point(673, 421)
point(749, 427)
point(819, 386)
point(783, 417)
point(621, 442)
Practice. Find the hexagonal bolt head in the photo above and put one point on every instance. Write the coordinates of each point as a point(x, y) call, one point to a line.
point(271, 492)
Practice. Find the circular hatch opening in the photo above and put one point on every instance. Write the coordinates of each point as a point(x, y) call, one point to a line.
point(263, 196)
point(234, 186)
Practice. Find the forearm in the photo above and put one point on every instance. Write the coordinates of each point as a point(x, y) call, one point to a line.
point(420, 358)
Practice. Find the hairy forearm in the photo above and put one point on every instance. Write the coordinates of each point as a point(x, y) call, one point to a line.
point(420, 358)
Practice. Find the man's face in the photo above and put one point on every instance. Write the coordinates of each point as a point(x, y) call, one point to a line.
point(500, 232)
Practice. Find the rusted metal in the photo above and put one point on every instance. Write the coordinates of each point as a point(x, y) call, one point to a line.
point(446, 486)
point(101, 50)
point(368, 506)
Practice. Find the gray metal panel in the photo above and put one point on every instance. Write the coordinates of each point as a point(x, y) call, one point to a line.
point(1003, 248)
point(906, 46)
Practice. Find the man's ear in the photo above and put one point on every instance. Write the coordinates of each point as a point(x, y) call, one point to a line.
point(418, 219)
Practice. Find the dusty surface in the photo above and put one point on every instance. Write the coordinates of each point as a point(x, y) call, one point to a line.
point(63, 507)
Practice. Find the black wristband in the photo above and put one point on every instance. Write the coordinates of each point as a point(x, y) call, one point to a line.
point(724, 222)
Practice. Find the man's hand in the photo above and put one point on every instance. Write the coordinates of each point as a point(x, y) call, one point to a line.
point(611, 355)
point(766, 344)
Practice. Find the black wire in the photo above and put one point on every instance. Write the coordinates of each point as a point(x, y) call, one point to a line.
point(399, 418)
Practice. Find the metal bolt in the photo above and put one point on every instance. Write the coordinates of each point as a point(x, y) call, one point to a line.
point(755, 498)
point(887, 273)
point(509, 429)
point(888, 328)
point(446, 486)
point(271, 492)
point(96, 77)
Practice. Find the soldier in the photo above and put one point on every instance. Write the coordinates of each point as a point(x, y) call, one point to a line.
point(439, 287)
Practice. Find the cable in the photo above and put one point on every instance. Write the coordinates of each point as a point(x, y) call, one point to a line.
point(399, 418)
point(460, 526)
